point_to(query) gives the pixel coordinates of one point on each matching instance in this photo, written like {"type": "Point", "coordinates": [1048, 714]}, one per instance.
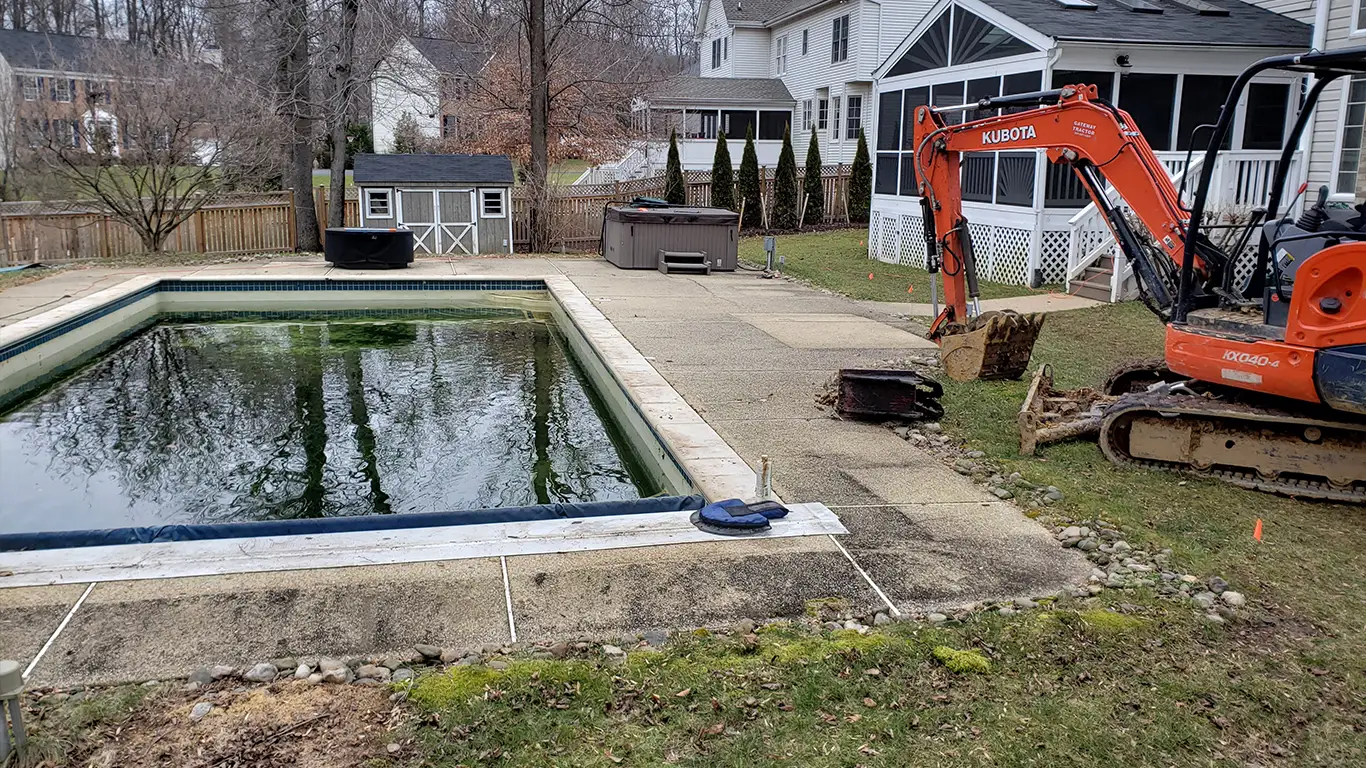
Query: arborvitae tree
{"type": "Point", "coordinates": [406, 135]}
{"type": "Point", "coordinates": [860, 182]}
{"type": "Point", "coordinates": [722, 176]}
{"type": "Point", "coordinates": [785, 200]}
{"type": "Point", "coordinates": [815, 192]}
{"type": "Point", "coordinates": [748, 187]}
{"type": "Point", "coordinates": [675, 191]}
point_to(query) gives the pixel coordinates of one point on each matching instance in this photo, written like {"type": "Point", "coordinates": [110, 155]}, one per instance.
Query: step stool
{"type": "Point", "coordinates": [685, 261]}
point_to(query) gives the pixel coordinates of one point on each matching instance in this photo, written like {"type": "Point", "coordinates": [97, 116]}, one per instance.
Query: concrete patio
{"type": "Point", "coordinates": [749, 355]}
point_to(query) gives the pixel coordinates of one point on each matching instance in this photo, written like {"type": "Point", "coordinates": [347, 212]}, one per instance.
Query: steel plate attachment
{"type": "Point", "coordinates": [869, 393]}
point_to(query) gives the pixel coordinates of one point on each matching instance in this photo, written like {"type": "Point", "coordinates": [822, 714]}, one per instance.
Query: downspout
{"type": "Point", "coordinates": [1320, 41]}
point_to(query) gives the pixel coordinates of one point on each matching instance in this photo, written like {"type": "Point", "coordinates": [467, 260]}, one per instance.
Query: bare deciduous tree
{"type": "Point", "coordinates": [151, 144]}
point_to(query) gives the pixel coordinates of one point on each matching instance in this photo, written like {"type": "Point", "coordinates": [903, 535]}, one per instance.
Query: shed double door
{"type": "Point", "coordinates": [442, 220]}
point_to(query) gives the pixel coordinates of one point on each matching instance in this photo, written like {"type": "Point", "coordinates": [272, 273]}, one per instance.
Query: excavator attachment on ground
{"type": "Point", "coordinates": [992, 345]}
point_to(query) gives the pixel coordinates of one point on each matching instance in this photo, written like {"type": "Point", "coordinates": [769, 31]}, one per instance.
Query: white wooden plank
{"type": "Point", "coordinates": [170, 560]}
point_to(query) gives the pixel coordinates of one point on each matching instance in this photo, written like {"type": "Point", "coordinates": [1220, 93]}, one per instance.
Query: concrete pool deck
{"type": "Point", "coordinates": [749, 355]}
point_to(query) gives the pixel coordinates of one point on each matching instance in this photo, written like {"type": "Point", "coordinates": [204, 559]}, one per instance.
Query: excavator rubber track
{"type": "Point", "coordinates": [1303, 455]}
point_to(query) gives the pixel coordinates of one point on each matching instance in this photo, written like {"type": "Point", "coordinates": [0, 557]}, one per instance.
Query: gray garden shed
{"type": "Point", "coordinates": [452, 203]}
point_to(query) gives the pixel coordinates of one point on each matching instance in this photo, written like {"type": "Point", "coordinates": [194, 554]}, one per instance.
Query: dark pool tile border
{"type": "Point", "coordinates": [182, 285]}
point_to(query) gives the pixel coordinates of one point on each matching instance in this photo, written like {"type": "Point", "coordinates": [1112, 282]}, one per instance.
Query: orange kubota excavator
{"type": "Point", "coordinates": [1264, 383]}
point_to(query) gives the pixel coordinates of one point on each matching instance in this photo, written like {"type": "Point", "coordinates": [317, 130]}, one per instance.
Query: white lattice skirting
{"type": "Point", "coordinates": [1002, 252]}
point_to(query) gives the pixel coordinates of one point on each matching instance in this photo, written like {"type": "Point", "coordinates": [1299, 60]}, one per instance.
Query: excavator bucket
{"type": "Point", "coordinates": [993, 345]}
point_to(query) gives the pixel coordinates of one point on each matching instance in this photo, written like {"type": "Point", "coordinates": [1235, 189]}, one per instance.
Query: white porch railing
{"type": "Point", "coordinates": [1241, 179]}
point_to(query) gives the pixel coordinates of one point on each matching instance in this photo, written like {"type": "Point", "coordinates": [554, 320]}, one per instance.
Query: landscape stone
{"type": "Point", "coordinates": [614, 654]}
{"type": "Point", "coordinates": [220, 671]}
{"type": "Point", "coordinates": [373, 672]}
{"type": "Point", "coordinates": [1233, 599]}
{"type": "Point", "coordinates": [302, 672]}
{"type": "Point", "coordinates": [450, 655]}
{"type": "Point", "coordinates": [401, 675]}
{"type": "Point", "coordinates": [200, 711]}
{"type": "Point", "coordinates": [559, 650]}
{"type": "Point", "coordinates": [881, 619]}
{"type": "Point", "coordinates": [1217, 585]}
{"type": "Point", "coordinates": [1203, 600]}
{"type": "Point", "coordinates": [498, 664]}
{"type": "Point", "coordinates": [202, 676]}
{"type": "Point", "coordinates": [262, 673]}
{"type": "Point", "coordinates": [936, 618]}
{"type": "Point", "coordinates": [428, 651]}
{"type": "Point", "coordinates": [285, 662]}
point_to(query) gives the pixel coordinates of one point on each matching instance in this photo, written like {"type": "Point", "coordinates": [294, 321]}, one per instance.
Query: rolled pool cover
{"type": "Point", "coordinates": [24, 542]}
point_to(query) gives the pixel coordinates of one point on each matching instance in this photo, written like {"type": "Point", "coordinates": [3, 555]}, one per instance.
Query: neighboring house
{"type": "Point", "coordinates": [820, 53]}
{"type": "Point", "coordinates": [428, 79]}
{"type": "Point", "coordinates": [452, 203]}
{"type": "Point", "coordinates": [1333, 142]}
{"type": "Point", "coordinates": [1169, 63]}
{"type": "Point", "coordinates": [43, 74]}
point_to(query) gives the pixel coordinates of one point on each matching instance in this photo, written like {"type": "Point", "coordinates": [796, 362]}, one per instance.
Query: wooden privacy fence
{"type": "Point", "coordinates": [264, 223]}
{"type": "Point", "coordinates": [256, 223]}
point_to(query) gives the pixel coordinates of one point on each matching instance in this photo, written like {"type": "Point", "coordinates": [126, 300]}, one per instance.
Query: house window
{"type": "Point", "coordinates": [725, 47]}
{"type": "Point", "coordinates": [377, 205]}
{"type": "Point", "coordinates": [854, 117]}
{"type": "Point", "coordinates": [1150, 99]}
{"type": "Point", "coordinates": [97, 92]}
{"type": "Point", "coordinates": [716, 53]}
{"type": "Point", "coordinates": [839, 41]}
{"type": "Point", "coordinates": [806, 38]}
{"type": "Point", "coordinates": [30, 88]}
{"type": "Point", "coordinates": [1264, 124]}
{"type": "Point", "coordinates": [1349, 146]}
{"type": "Point", "coordinates": [491, 203]}
{"type": "Point", "coordinates": [773, 124]}
{"type": "Point", "coordinates": [822, 113]}
{"type": "Point", "coordinates": [62, 88]}
{"type": "Point", "coordinates": [65, 133]}
{"type": "Point", "coordinates": [835, 117]}
{"type": "Point", "coordinates": [1202, 98]}
{"type": "Point", "coordinates": [968, 39]}
{"type": "Point", "coordinates": [781, 45]}
{"type": "Point", "coordinates": [806, 115]}
{"type": "Point", "coordinates": [1359, 17]}
{"type": "Point", "coordinates": [449, 125]}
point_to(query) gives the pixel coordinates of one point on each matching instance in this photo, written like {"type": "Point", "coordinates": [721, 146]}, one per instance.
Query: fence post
{"type": "Point", "coordinates": [201, 238]}
{"type": "Point", "coordinates": [293, 233]}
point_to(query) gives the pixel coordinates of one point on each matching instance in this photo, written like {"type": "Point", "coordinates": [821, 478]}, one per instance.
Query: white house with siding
{"type": "Point", "coordinates": [1169, 63]}
{"type": "Point", "coordinates": [1333, 144]}
{"type": "Point", "coordinates": [821, 53]}
{"type": "Point", "coordinates": [424, 78]}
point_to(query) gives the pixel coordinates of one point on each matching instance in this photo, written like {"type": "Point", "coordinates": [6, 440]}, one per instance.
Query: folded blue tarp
{"type": "Point", "coordinates": [21, 542]}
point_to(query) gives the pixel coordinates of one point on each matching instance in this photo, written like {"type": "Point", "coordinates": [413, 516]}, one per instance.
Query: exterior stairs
{"type": "Point", "coordinates": [1094, 283]}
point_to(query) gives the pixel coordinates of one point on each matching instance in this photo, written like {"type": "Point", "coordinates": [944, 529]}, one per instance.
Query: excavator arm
{"type": "Point", "coordinates": [1074, 127]}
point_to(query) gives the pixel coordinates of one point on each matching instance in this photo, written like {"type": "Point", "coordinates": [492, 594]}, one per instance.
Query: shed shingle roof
{"type": "Point", "coordinates": [40, 50]}
{"type": "Point", "coordinates": [685, 89]}
{"type": "Point", "coordinates": [433, 169]}
{"type": "Point", "coordinates": [1245, 24]}
{"type": "Point", "coordinates": [450, 57]}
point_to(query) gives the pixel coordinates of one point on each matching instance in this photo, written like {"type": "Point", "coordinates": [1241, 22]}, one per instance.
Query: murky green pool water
{"type": "Point", "coordinates": [229, 422]}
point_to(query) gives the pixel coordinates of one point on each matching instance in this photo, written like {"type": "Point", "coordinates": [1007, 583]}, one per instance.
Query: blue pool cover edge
{"type": "Point", "coordinates": [24, 542]}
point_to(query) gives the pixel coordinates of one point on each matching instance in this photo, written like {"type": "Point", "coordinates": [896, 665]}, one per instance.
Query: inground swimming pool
{"type": "Point", "coordinates": [253, 419]}
{"type": "Point", "coordinates": [173, 409]}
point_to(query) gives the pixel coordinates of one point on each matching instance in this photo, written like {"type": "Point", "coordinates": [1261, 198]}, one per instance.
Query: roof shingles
{"type": "Point", "coordinates": [59, 53]}
{"type": "Point", "coordinates": [1245, 24]}
{"type": "Point", "coordinates": [685, 89]}
{"type": "Point", "coordinates": [433, 169]}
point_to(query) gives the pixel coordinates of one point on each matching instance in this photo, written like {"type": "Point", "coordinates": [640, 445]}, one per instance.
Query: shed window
{"type": "Point", "coordinates": [377, 204]}
{"type": "Point", "coordinates": [491, 203]}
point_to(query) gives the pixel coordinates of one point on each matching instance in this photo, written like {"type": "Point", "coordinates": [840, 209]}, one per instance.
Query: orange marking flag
{"type": "Point", "coordinates": [1257, 530]}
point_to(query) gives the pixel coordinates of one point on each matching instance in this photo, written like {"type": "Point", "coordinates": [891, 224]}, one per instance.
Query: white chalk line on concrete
{"type": "Point", "coordinates": [507, 596]}
{"type": "Point", "coordinates": [866, 577]}
{"type": "Point", "coordinates": [69, 614]}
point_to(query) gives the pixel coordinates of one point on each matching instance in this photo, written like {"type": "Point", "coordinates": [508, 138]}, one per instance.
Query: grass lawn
{"type": "Point", "coordinates": [838, 261]}
{"type": "Point", "coordinates": [1123, 679]}
{"type": "Point", "coordinates": [322, 177]}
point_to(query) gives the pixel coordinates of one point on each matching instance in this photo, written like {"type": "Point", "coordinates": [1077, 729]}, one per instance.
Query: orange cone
{"type": "Point", "coordinates": [1257, 530]}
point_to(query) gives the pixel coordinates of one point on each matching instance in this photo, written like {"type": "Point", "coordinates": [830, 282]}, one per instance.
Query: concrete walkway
{"type": "Point", "coordinates": [750, 356]}
{"type": "Point", "coordinates": [1038, 302]}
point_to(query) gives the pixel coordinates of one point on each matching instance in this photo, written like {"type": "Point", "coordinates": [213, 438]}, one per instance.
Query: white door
{"type": "Point", "coordinates": [417, 211]}
{"type": "Point", "coordinates": [457, 222]}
